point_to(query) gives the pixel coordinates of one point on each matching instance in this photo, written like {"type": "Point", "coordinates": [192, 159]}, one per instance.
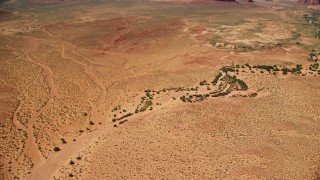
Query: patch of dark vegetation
{"type": "Point", "coordinates": [221, 94]}
{"type": "Point", "coordinates": [314, 67]}
{"type": "Point", "coordinates": [56, 149]}
{"type": "Point", "coordinates": [116, 108]}
{"type": "Point", "coordinates": [295, 70]}
{"type": "Point", "coordinates": [235, 83]}
{"type": "Point", "coordinates": [314, 20]}
{"type": "Point", "coordinates": [203, 83]}
{"type": "Point", "coordinates": [126, 115]}
{"type": "Point", "coordinates": [228, 82]}
{"type": "Point", "coordinates": [241, 95]}
{"type": "Point", "coordinates": [216, 79]}
{"type": "Point", "coordinates": [265, 67]}
{"type": "Point", "coordinates": [63, 141]}
{"type": "Point", "coordinates": [243, 85]}
{"type": "Point", "coordinates": [123, 121]}
{"type": "Point", "coordinates": [183, 98]}
{"type": "Point", "coordinates": [227, 69]}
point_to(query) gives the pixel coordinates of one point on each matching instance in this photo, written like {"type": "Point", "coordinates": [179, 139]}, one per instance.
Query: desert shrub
{"type": "Point", "coordinates": [149, 95]}
{"type": "Point", "coordinates": [202, 83]}
{"type": "Point", "coordinates": [265, 67]}
{"type": "Point", "coordinates": [63, 141]}
{"type": "Point", "coordinates": [79, 158]}
{"type": "Point", "coordinates": [314, 66]}
{"type": "Point", "coordinates": [91, 123]}
{"type": "Point", "coordinates": [284, 71]}
{"type": "Point", "coordinates": [221, 94]}
{"type": "Point", "coordinates": [230, 79]}
{"type": "Point", "coordinates": [183, 98]}
{"type": "Point", "coordinates": [56, 149]}
{"type": "Point", "coordinates": [227, 69]}
{"type": "Point", "coordinates": [313, 57]}
{"type": "Point", "coordinates": [71, 162]}
{"type": "Point", "coordinates": [121, 122]}
{"type": "Point", "coordinates": [242, 84]}
{"type": "Point", "coordinates": [126, 115]}
{"type": "Point", "coordinates": [115, 125]}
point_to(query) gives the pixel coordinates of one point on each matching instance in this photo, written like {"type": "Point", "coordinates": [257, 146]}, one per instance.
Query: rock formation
{"type": "Point", "coordinates": [309, 1]}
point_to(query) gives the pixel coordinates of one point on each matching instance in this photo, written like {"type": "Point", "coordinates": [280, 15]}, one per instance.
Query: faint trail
{"type": "Point", "coordinates": [31, 147]}
{"type": "Point", "coordinates": [51, 166]}
{"type": "Point", "coordinates": [15, 120]}
{"type": "Point", "coordinates": [96, 111]}
{"type": "Point", "coordinates": [47, 32]}
{"type": "Point", "coordinates": [46, 168]}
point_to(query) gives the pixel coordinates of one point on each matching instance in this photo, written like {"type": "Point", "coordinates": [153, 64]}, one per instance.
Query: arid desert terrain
{"type": "Point", "coordinates": [159, 89]}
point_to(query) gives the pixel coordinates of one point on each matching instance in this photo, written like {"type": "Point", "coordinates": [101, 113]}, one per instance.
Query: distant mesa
{"type": "Point", "coordinates": [53, 1]}
{"type": "Point", "coordinates": [203, 1]}
{"type": "Point", "coordinates": [313, 2]}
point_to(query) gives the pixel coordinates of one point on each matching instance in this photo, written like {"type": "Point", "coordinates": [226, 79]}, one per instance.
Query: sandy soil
{"type": "Point", "coordinates": [124, 90]}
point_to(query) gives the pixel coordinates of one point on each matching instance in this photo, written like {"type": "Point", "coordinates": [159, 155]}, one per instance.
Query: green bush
{"type": "Point", "coordinates": [265, 67]}
{"type": "Point", "coordinates": [121, 122]}
{"type": "Point", "coordinates": [243, 85]}
{"type": "Point", "coordinates": [183, 98]}
{"type": "Point", "coordinates": [227, 69]}
{"type": "Point", "coordinates": [56, 149]}
{"type": "Point", "coordinates": [126, 115]}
